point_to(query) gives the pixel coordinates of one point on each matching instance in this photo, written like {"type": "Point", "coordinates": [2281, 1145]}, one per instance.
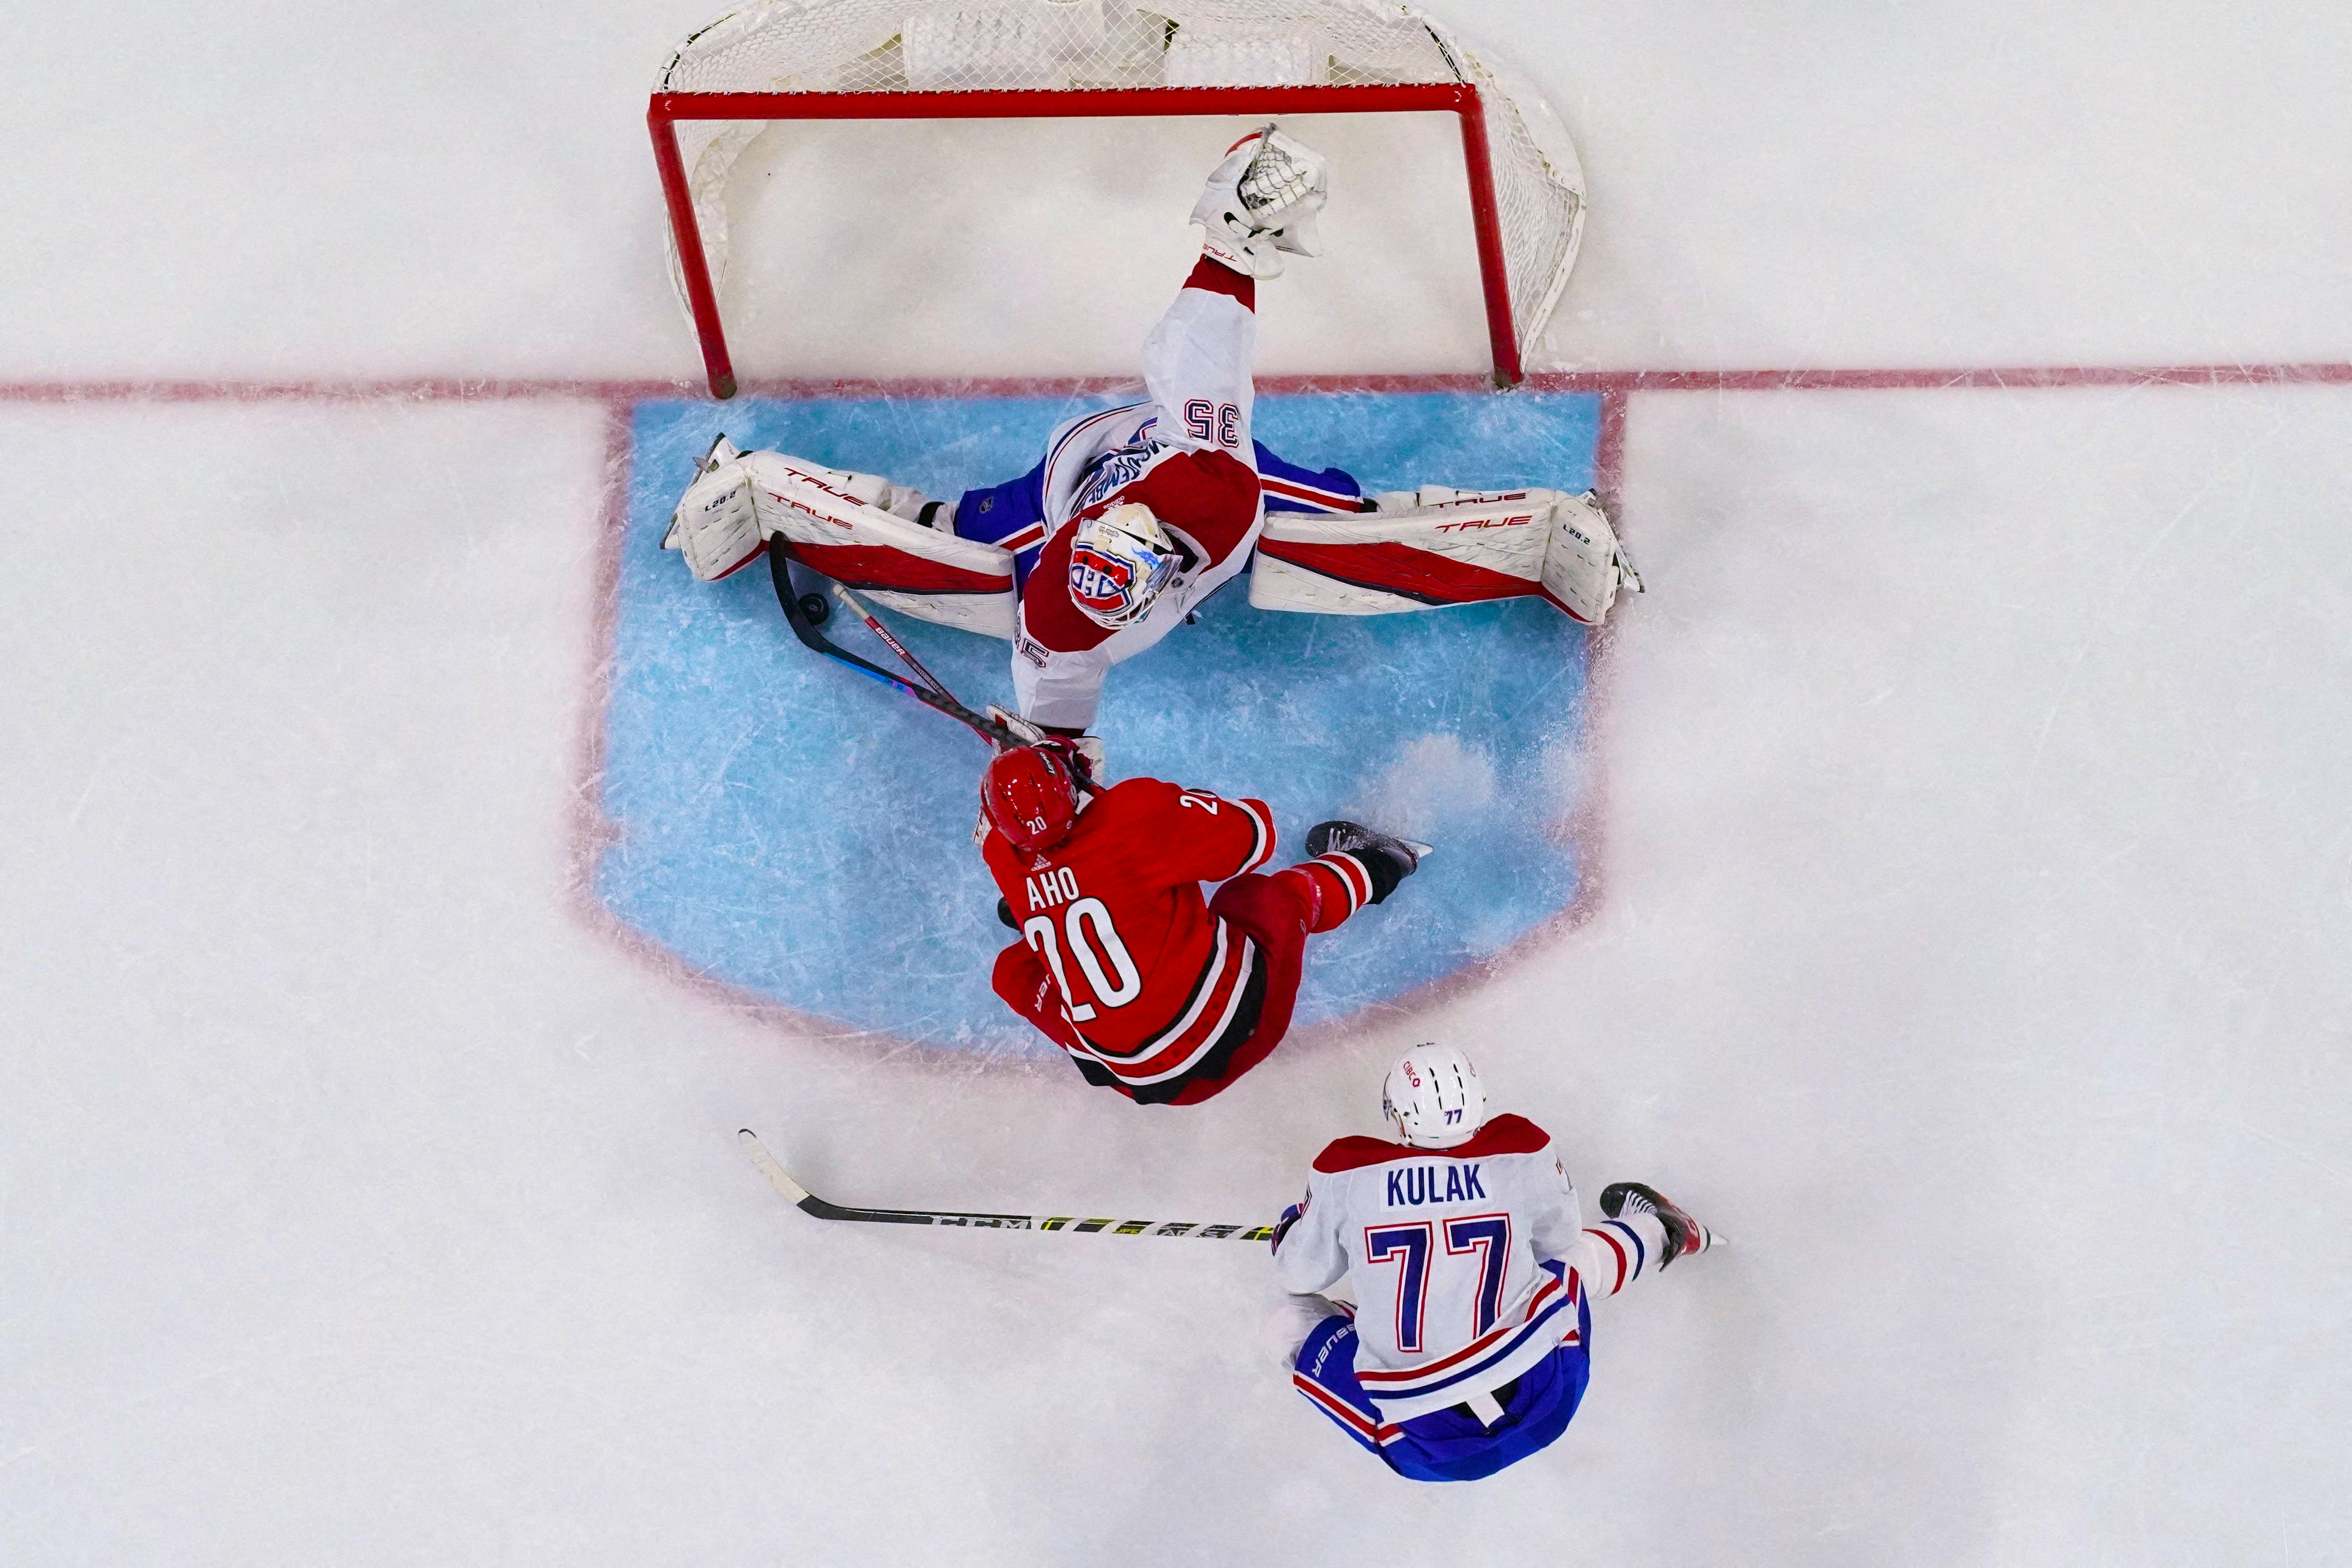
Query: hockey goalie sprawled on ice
{"type": "Point", "coordinates": [1136, 514]}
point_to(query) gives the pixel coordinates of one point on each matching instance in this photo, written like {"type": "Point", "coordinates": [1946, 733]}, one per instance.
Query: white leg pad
{"type": "Point", "coordinates": [716, 525]}
{"type": "Point", "coordinates": [1585, 565]}
{"type": "Point", "coordinates": [834, 522]}
{"type": "Point", "coordinates": [1439, 545]}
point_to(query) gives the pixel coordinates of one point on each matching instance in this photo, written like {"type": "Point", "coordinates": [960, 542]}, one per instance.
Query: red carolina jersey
{"type": "Point", "coordinates": [1148, 979]}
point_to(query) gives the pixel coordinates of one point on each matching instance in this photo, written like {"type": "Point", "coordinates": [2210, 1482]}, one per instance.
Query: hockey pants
{"type": "Point", "coordinates": [1452, 1444]}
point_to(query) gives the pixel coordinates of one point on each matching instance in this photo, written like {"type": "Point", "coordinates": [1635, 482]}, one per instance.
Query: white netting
{"type": "Point", "coordinates": [934, 46]}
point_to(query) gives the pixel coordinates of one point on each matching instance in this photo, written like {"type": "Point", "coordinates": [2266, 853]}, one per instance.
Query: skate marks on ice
{"type": "Point", "coordinates": [803, 836]}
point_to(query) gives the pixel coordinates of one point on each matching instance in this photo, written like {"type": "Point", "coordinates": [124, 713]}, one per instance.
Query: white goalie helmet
{"type": "Point", "coordinates": [1434, 1097]}
{"type": "Point", "coordinates": [1120, 563]}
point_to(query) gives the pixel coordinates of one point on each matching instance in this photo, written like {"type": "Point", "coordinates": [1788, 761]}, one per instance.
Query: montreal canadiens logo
{"type": "Point", "coordinates": [1099, 582]}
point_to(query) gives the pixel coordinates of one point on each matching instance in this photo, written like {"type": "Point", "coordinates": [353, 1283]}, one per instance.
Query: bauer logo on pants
{"type": "Point", "coordinates": [803, 836]}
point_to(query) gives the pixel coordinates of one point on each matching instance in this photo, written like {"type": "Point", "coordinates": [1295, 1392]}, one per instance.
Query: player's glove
{"type": "Point", "coordinates": [1083, 752]}
{"type": "Point", "coordinates": [1004, 915]}
{"type": "Point", "coordinates": [1282, 1226]}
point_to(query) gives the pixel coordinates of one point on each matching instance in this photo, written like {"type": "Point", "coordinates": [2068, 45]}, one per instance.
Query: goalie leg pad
{"type": "Point", "coordinates": [819, 517]}
{"type": "Point", "coordinates": [716, 525]}
{"type": "Point", "coordinates": [1584, 566]}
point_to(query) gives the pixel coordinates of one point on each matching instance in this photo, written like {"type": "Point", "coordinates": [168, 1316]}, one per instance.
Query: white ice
{"type": "Point", "coordinates": [1978, 887]}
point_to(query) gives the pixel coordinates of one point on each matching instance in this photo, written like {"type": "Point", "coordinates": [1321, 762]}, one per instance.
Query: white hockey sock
{"type": "Point", "coordinates": [1616, 1252]}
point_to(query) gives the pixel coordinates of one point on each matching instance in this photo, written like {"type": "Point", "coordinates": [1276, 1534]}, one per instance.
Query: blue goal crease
{"type": "Point", "coordinates": [792, 830]}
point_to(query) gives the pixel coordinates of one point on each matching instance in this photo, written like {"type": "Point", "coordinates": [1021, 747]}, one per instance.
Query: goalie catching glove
{"type": "Point", "coordinates": [1263, 201]}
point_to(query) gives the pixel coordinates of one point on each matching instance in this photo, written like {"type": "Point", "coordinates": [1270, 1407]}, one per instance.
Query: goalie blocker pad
{"type": "Point", "coordinates": [810, 512]}
{"type": "Point", "coordinates": [1441, 551]}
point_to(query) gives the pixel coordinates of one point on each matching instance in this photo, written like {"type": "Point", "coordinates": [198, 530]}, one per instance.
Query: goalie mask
{"type": "Point", "coordinates": [1030, 796]}
{"type": "Point", "coordinates": [1120, 563]}
{"type": "Point", "coordinates": [1433, 1096]}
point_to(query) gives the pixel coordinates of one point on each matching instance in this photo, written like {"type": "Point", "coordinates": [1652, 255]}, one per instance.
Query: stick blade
{"type": "Point", "coordinates": [765, 1163]}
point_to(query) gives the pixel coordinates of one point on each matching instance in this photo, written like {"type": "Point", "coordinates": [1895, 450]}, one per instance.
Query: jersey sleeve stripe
{"type": "Point", "coordinates": [1264, 850]}
{"type": "Point", "coordinates": [1291, 490]}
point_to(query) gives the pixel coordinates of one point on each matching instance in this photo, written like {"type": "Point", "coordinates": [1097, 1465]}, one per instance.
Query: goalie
{"type": "Point", "coordinates": [1136, 514]}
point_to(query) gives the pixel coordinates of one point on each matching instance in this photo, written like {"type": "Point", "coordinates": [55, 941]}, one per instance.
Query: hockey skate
{"type": "Point", "coordinates": [1400, 857]}
{"type": "Point", "coordinates": [1684, 1234]}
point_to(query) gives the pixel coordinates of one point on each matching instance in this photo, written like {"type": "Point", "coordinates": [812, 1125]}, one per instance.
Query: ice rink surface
{"type": "Point", "coordinates": [1975, 882]}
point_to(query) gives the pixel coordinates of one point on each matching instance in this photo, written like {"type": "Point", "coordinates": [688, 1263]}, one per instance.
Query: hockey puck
{"type": "Point", "coordinates": [815, 608]}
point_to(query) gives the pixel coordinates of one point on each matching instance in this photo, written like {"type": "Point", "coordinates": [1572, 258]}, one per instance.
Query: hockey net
{"type": "Point", "coordinates": [786, 59]}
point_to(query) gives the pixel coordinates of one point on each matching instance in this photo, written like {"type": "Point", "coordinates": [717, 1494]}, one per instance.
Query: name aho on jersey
{"type": "Point", "coordinates": [1052, 887]}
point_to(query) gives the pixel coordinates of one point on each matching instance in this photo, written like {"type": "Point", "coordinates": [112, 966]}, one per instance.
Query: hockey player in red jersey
{"type": "Point", "coordinates": [1474, 1272]}
{"type": "Point", "coordinates": [1153, 990]}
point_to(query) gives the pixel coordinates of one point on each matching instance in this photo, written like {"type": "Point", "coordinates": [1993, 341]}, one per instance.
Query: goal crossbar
{"type": "Point", "coordinates": [1460, 99]}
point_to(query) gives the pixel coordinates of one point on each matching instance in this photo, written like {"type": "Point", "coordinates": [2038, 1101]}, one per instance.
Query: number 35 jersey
{"type": "Point", "coordinates": [1445, 1250]}
{"type": "Point", "coordinates": [1148, 978]}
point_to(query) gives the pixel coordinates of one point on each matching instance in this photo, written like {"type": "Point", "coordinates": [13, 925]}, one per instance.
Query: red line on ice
{"type": "Point", "coordinates": [591, 831]}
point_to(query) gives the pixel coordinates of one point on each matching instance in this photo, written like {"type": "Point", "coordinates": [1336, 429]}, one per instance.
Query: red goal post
{"type": "Point", "coordinates": [1526, 201]}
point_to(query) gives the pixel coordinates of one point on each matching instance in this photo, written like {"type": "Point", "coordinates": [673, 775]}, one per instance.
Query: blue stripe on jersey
{"type": "Point", "coordinates": [1337, 481]}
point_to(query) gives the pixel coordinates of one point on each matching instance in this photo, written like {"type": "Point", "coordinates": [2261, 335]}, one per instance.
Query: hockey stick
{"type": "Point", "coordinates": [804, 628]}
{"type": "Point", "coordinates": [856, 607]}
{"type": "Point", "coordinates": [809, 1203]}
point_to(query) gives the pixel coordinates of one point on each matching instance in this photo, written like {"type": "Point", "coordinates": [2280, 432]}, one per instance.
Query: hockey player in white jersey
{"type": "Point", "coordinates": [1467, 1253]}
{"type": "Point", "coordinates": [1138, 513]}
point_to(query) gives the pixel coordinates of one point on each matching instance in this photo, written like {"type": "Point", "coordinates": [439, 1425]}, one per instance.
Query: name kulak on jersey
{"type": "Point", "coordinates": [1418, 1185]}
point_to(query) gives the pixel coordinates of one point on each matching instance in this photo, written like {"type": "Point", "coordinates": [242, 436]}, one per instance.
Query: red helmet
{"type": "Point", "coordinates": [1030, 796]}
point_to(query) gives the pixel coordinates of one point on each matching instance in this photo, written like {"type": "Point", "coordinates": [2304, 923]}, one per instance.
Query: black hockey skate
{"type": "Point", "coordinates": [1389, 860]}
{"type": "Point", "coordinates": [1684, 1234]}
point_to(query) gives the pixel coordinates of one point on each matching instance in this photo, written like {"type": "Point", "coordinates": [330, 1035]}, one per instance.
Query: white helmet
{"type": "Point", "coordinates": [1120, 563]}
{"type": "Point", "coordinates": [1434, 1097]}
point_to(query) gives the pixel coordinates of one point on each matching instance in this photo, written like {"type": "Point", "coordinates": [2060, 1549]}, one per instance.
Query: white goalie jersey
{"type": "Point", "coordinates": [1446, 1252]}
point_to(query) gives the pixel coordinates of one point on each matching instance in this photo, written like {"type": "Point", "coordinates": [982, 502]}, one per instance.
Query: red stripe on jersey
{"type": "Point", "coordinates": [1483, 1342]}
{"type": "Point", "coordinates": [1505, 1134]}
{"type": "Point", "coordinates": [1219, 278]}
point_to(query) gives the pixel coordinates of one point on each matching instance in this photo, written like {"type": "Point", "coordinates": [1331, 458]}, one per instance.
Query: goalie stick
{"type": "Point", "coordinates": [809, 1203]}
{"type": "Point", "coordinates": [804, 627]}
